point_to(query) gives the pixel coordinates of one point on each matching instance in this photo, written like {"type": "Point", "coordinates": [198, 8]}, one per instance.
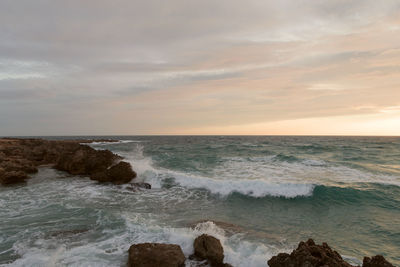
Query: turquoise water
{"type": "Point", "coordinates": [268, 192]}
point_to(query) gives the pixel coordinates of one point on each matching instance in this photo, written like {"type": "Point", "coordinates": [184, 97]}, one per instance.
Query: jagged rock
{"type": "Point", "coordinates": [308, 254]}
{"type": "Point", "coordinates": [120, 173]}
{"type": "Point", "coordinates": [209, 248]}
{"type": "Point", "coordinates": [156, 255]}
{"type": "Point", "coordinates": [85, 160]}
{"type": "Point", "coordinates": [19, 157]}
{"type": "Point", "coordinates": [376, 261]}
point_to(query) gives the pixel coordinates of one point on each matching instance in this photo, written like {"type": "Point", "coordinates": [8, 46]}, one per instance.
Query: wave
{"type": "Point", "coordinates": [253, 188]}
{"type": "Point", "coordinates": [254, 177]}
{"type": "Point", "coordinates": [114, 142]}
{"type": "Point", "coordinates": [366, 194]}
{"type": "Point", "coordinates": [238, 252]}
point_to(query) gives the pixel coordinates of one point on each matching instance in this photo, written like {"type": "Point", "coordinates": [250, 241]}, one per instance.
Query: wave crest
{"type": "Point", "coordinates": [253, 188]}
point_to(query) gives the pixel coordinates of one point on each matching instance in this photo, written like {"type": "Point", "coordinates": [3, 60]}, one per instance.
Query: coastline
{"type": "Point", "coordinates": [24, 155]}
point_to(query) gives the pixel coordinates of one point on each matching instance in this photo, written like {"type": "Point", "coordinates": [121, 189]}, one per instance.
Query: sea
{"type": "Point", "coordinates": [259, 195]}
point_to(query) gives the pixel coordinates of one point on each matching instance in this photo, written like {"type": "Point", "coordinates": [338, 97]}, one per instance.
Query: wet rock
{"type": "Point", "coordinates": [12, 177]}
{"type": "Point", "coordinates": [68, 233]}
{"type": "Point", "coordinates": [120, 173]}
{"type": "Point", "coordinates": [209, 248]}
{"type": "Point", "coordinates": [138, 186]}
{"type": "Point", "coordinates": [85, 160]}
{"type": "Point", "coordinates": [20, 157]}
{"type": "Point", "coordinates": [376, 261]}
{"type": "Point", "coordinates": [308, 254]}
{"type": "Point", "coordinates": [142, 185]}
{"type": "Point", "coordinates": [156, 255]}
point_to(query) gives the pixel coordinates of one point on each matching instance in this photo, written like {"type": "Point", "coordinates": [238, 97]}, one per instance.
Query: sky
{"type": "Point", "coordinates": [299, 67]}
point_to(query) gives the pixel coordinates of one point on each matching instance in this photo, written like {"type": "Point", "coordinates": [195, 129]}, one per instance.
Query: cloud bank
{"type": "Point", "coordinates": [199, 67]}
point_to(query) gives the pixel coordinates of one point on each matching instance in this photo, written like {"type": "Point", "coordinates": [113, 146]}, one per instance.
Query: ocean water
{"type": "Point", "coordinates": [258, 195]}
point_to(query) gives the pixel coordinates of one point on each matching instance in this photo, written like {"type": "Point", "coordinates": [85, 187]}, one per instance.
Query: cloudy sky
{"type": "Point", "coordinates": [200, 67]}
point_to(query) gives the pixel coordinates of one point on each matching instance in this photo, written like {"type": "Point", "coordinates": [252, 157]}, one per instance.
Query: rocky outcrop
{"type": "Point", "coordinates": [376, 261]}
{"type": "Point", "coordinates": [21, 157]}
{"type": "Point", "coordinates": [12, 177]}
{"type": "Point", "coordinates": [120, 173]}
{"type": "Point", "coordinates": [85, 160]}
{"type": "Point", "coordinates": [156, 255]}
{"type": "Point", "coordinates": [308, 254]}
{"type": "Point", "coordinates": [209, 248]}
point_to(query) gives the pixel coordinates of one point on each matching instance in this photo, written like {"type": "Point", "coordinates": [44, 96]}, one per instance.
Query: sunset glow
{"type": "Point", "coordinates": [209, 67]}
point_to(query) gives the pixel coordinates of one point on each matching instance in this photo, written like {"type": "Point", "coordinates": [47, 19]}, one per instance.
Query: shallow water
{"type": "Point", "coordinates": [270, 192]}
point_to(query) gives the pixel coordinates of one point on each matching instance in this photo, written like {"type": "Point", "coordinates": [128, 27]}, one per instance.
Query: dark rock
{"type": "Point", "coordinates": [142, 185]}
{"type": "Point", "coordinates": [376, 261]}
{"type": "Point", "coordinates": [67, 233]}
{"type": "Point", "coordinates": [19, 165]}
{"type": "Point", "coordinates": [85, 160]}
{"type": "Point", "coordinates": [308, 254]}
{"type": "Point", "coordinates": [19, 157]}
{"type": "Point", "coordinates": [209, 248]}
{"type": "Point", "coordinates": [12, 177]}
{"type": "Point", "coordinates": [156, 255]}
{"type": "Point", "coordinates": [120, 173]}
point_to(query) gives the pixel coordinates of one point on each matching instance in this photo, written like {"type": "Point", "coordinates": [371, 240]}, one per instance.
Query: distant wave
{"type": "Point", "coordinates": [245, 176]}
{"type": "Point", "coordinates": [253, 188]}
{"type": "Point", "coordinates": [115, 142]}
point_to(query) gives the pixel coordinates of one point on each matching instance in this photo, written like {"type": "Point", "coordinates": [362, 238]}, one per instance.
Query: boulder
{"type": "Point", "coordinates": [209, 248]}
{"type": "Point", "coordinates": [120, 173]}
{"type": "Point", "coordinates": [376, 261]}
{"type": "Point", "coordinates": [308, 254]}
{"type": "Point", "coordinates": [156, 255]}
{"type": "Point", "coordinates": [85, 160]}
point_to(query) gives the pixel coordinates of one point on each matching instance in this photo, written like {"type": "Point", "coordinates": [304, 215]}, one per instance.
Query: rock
{"type": "Point", "coordinates": [308, 254]}
{"type": "Point", "coordinates": [12, 177]}
{"type": "Point", "coordinates": [209, 248]}
{"type": "Point", "coordinates": [19, 165]}
{"type": "Point", "coordinates": [20, 157]}
{"type": "Point", "coordinates": [376, 261]}
{"type": "Point", "coordinates": [2, 157]}
{"type": "Point", "coordinates": [142, 185]}
{"type": "Point", "coordinates": [120, 173]}
{"type": "Point", "coordinates": [85, 160]}
{"type": "Point", "coordinates": [156, 255]}
{"type": "Point", "coordinates": [68, 233]}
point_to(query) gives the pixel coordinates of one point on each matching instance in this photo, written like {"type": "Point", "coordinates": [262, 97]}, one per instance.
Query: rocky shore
{"type": "Point", "coordinates": [208, 251]}
{"type": "Point", "coordinates": [21, 157]}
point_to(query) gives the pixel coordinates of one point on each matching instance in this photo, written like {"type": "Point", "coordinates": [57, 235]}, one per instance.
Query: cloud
{"type": "Point", "coordinates": [139, 67]}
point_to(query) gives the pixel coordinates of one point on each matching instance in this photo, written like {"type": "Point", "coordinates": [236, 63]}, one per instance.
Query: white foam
{"type": "Point", "coordinates": [254, 188]}
{"type": "Point", "coordinates": [237, 251]}
{"type": "Point", "coordinates": [113, 142]}
{"type": "Point", "coordinates": [255, 177]}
